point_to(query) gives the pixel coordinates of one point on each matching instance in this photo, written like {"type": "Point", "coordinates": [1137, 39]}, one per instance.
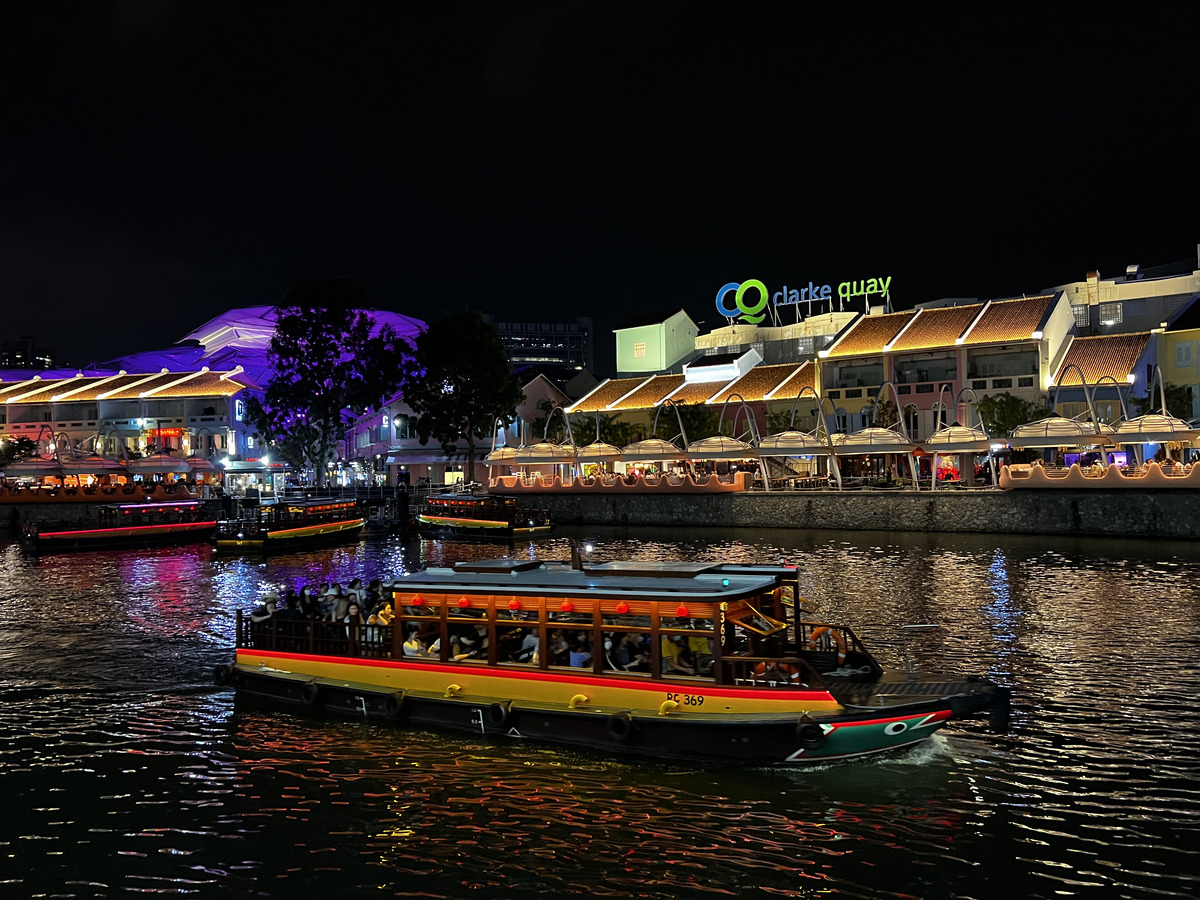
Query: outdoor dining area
{"type": "Point", "coordinates": [1062, 452]}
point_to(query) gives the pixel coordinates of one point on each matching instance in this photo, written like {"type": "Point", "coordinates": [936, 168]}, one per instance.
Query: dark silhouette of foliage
{"type": "Point", "coordinates": [1179, 402]}
{"type": "Point", "coordinates": [1001, 413]}
{"type": "Point", "coordinates": [328, 368]}
{"type": "Point", "coordinates": [16, 449]}
{"type": "Point", "coordinates": [466, 384]}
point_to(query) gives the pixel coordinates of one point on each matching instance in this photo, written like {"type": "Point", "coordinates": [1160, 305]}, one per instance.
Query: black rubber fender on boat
{"type": "Point", "coordinates": [810, 735]}
{"type": "Point", "coordinates": [497, 715]}
{"type": "Point", "coordinates": [311, 695]}
{"type": "Point", "coordinates": [621, 726]}
{"type": "Point", "coordinates": [393, 705]}
{"type": "Point", "coordinates": [222, 675]}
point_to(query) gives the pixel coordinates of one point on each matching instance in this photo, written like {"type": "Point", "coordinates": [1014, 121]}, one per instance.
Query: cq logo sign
{"type": "Point", "coordinates": [747, 313]}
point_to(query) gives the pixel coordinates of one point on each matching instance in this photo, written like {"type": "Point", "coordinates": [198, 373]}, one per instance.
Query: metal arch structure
{"type": "Point", "coordinates": [1089, 396]}
{"type": "Point", "coordinates": [821, 426]}
{"type": "Point", "coordinates": [751, 429]}
{"type": "Point", "coordinates": [958, 401]}
{"type": "Point", "coordinates": [751, 423]}
{"type": "Point", "coordinates": [566, 423]}
{"type": "Point", "coordinates": [1120, 397]}
{"type": "Point", "coordinates": [912, 460]}
{"type": "Point", "coordinates": [678, 418]}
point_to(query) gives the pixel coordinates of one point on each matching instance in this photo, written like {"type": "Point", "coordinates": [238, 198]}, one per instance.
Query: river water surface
{"type": "Point", "coordinates": [123, 770]}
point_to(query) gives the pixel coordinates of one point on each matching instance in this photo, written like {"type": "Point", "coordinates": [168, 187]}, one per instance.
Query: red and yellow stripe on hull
{"type": "Point", "coordinates": [483, 685]}
{"type": "Point", "coordinates": [456, 522]}
{"type": "Point", "coordinates": [131, 532]}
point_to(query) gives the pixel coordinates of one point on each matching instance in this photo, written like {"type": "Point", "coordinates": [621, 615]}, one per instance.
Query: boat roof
{"type": "Point", "coordinates": [706, 581]}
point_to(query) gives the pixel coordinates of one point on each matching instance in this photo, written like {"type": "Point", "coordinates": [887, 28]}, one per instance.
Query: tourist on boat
{"type": "Point", "coordinates": [631, 654]}
{"type": "Point", "coordinates": [267, 609]}
{"type": "Point", "coordinates": [385, 614]}
{"type": "Point", "coordinates": [527, 652]}
{"type": "Point", "coordinates": [309, 607]}
{"type": "Point", "coordinates": [676, 658]}
{"type": "Point", "coordinates": [341, 603]}
{"type": "Point", "coordinates": [414, 646]}
{"type": "Point", "coordinates": [560, 649]}
{"type": "Point", "coordinates": [353, 620]}
{"type": "Point", "coordinates": [581, 653]}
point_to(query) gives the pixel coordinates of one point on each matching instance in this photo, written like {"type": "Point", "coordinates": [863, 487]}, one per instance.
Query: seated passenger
{"type": "Point", "coordinates": [676, 658]}
{"type": "Point", "coordinates": [414, 646]}
{"type": "Point", "coordinates": [581, 653]}
{"type": "Point", "coordinates": [631, 655]}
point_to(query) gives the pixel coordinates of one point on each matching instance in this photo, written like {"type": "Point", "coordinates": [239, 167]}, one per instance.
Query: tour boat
{"type": "Point", "coordinates": [288, 524]}
{"type": "Point", "coordinates": [485, 516]}
{"type": "Point", "coordinates": [487, 647]}
{"type": "Point", "coordinates": [125, 525]}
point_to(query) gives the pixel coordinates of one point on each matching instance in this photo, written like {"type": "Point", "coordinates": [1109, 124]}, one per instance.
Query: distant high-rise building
{"type": "Point", "coordinates": [24, 353]}
{"type": "Point", "coordinates": [562, 345]}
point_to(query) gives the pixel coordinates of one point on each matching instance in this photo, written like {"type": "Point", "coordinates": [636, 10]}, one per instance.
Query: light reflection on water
{"type": "Point", "coordinates": [124, 770]}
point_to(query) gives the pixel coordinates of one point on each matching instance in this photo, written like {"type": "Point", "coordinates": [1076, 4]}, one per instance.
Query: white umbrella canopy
{"type": "Point", "coordinates": [597, 452]}
{"type": "Point", "coordinates": [1154, 428]}
{"type": "Point", "coordinates": [46, 466]}
{"type": "Point", "coordinates": [652, 450]}
{"type": "Point", "coordinates": [957, 439]}
{"type": "Point", "coordinates": [872, 441]}
{"type": "Point", "coordinates": [720, 447]}
{"type": "Point", "coordinates": [159, 464]}
{"type": "Point", "coordinates": [200, 464]}
{"type": "Point", "coordinates": [792, 443]}
{"type": "Point", "coordinates": [544, 453]}
{"type": "Point", "coordinates": [94, 465]}
{"type": "Point", "coordinates": [501, 456]}
{"type": "Point", "coordinates": [1056, 431]}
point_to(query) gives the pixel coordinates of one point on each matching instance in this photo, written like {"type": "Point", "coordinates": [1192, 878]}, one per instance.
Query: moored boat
{"type": "Point", "coordinates": [289, 524]}
{"type": "Point", "coordinates": [480, 516]}
{"type": "Point", "coordinates": [681, 660]}
{"type": "Point", "coordinates": [119, 525]}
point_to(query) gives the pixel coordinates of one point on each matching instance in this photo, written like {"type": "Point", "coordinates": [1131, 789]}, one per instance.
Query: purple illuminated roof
{"type": "Point", "coordinates": [238, 337]}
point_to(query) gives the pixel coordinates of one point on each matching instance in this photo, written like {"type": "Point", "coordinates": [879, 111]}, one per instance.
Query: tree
{"type": "Point", "coordinates": [699, 419]}
{"type": "Point", "coordinates": [18, 448]}
{"type": "Point", "coordinates": [330, 364]}
{"type": "Point", "coordinates": [885, 413]}
{"type": "Point", "coordinates": [1001, 413]}
{"type": "Point", "coordinates": [1179, 402]}
{"type": "Point", "coordinates": [465, 385]}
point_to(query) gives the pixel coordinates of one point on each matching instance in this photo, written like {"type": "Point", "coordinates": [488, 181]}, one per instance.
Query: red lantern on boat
{"type": "Point", "coordinates": [682, 611]}
{"type": "Point", "coordinates": [514, 603]}
{"type": "Point", "coordinates": [418, 600]}
{"type": "Point", "coordinates": [622, 608]}
{"type": "Point", "coordinates": [463, 602]}
{"type": "Point", "coordinates": [566, 606]}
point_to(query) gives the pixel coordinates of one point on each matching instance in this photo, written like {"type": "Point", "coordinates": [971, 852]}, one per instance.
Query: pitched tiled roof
{"type": "Point", "coordinates": [125, 387]}
{"type": "Point", "coordinates": [609, 392]}
{"type": "Point", "coordinates": [1010, 320]}
{"type": "Point", "coordinates": [760, 381]}
{"type": "Point", "coordinates": [937, 327]}
{"type": "Point", "coordinates": [805, 376]}
{"type": "Point", "coordinates": [697, 392]}
{"type": "Point", "coordinates": [1114, 355]}
{"type": "Point", "coordinates": [870, 333]}
{"type": "Point", "coordinates": [650, 393]}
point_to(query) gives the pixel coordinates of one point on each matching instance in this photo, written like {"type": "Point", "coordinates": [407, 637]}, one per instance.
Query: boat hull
{"type": "Point", "coordinates": [124, 537]}
{"type": "Point", "coordinates": [661, 719]}
{"type": "Point", "coordinates": [477, 529]}
{"type": "Point", "coordinates": [286, 539]}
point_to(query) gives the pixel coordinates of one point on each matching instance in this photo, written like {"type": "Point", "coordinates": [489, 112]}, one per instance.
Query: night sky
{"type": "Point", "coordinates": [163, 162]}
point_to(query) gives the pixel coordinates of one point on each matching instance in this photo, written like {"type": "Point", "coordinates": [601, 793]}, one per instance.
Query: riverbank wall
{"type": "Point", "coordinates": [1168, 514]}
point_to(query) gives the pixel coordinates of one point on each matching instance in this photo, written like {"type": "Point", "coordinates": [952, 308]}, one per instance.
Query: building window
{"type": "Point", "coordinates": [1025, 382]}
{"type": "Point", "coordinates": [1183, 353]}
{"type": "Point", "coordinates": [1080, 313]}
{"type": "Point", "coordinates": [1111, 314]}
{"type": "Point", "coordinates": [639, 350]}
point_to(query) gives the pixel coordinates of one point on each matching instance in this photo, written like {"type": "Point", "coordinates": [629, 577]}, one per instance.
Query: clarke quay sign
{"type": "Point", "coordinates": [753, 312]}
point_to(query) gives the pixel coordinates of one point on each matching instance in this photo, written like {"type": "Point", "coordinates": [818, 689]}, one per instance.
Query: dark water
{"type": "Point", "coordinates": [124, 771]}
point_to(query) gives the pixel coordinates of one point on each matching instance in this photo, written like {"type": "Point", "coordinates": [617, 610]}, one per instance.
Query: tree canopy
{"type": "Point", "coordinates": [330, 364]}
{"type": "Point", "coordinates": [465, 384]}
{"type": "Point", "coordinates": [15, 449]}
{"type": "Point", "coordinates": [1179, 401]}
{"type": "Point", "coordinates": [1001, 413]}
